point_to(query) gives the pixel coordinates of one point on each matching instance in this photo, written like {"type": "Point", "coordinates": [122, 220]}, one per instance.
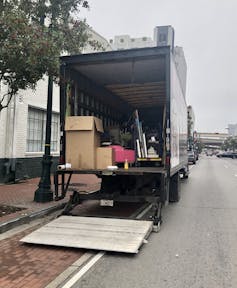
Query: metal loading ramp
{"type": "Point", "coordinates": [107, 234]}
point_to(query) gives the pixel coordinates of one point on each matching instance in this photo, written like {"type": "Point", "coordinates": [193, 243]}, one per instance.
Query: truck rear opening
{"type": "Point", "coordinates": [115, 86]}
{"type": "Point", "coordinates": [111, 87]}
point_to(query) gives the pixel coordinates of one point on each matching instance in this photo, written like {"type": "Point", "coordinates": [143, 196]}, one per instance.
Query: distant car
{"type": "Point", "coordinates": [227, 154]}
{"type": "Point", "coordinates": [221, 154]}
{"type": "Point", "coordinates": [196, 154]}
{"type": "Point", "coordinates": [191, 157]}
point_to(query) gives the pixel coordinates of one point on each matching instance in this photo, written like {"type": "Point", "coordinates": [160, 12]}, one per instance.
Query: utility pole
{"type": "Point", "coordinates": [44, 193]}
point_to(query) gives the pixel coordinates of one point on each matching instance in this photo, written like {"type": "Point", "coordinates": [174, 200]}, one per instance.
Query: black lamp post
{"type": "Point", "coordinates": [44, 193]}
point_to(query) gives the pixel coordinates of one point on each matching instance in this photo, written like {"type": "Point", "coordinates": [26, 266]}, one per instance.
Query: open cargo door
{"type": "Point", "coordinates": [107, 234]}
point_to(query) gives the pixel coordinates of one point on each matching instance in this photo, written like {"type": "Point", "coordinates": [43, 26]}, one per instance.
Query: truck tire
{"type": "Point", "coordinates": [185, 175]}
{"type": "Point", "coordinates": [174, 194]}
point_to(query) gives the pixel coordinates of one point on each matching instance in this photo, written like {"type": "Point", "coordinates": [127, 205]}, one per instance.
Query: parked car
{"type": "Point", "coordinates": [196, 155]}
{"type": "Point", "coordinates": [227, 154]}
{"type": "Point", "coordinates": [191, 157]}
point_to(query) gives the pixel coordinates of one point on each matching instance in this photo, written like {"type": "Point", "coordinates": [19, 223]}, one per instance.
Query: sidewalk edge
{"type": "Point", "coordinates": [5, 226]}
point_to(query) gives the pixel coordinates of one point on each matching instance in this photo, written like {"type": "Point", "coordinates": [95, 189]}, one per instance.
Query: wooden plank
{"type": "Point", "coordinates": [134, 85]}
{"type": "Point", "coordinates": [86, 226]}
{"type": "Point", "coordinates": [137, 90]}
{"type": "Point", "coordinates": [85, 233]}
{"type": "Point", "coordinates": [140, 95]}
{"type": "Point", "coordinates": [145, 105]}
{"type": "Point", "coordinates": [135, 93]}
{"type": "Point", "coordinates": [93, 233]}
{"type": "Point", "coordinates": [147, 101]}
{"type": "Point", "coordinates": [101, 221]}
{"type": "Point", "coordinates": [127, 245]}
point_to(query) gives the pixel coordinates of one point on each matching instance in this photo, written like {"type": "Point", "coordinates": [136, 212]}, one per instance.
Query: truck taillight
{"type": "Point", "coordinates": [167, 160]}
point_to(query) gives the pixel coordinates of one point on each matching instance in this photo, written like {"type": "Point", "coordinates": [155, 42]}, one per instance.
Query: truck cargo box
{"type": "Point", "coordinates": [136, 91]}
{"type": "Point", "coordinates": [111, 85]}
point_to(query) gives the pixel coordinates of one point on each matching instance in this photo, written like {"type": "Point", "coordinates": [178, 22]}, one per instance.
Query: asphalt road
{"type": "Point", "coordinates": [197, 244]}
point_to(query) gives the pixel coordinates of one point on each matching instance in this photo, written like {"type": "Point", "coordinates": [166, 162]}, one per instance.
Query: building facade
{"type": "Point", "coordinates": [232, 130]}
{"type": "Point", "coordinates": [191, 120]}
{"type": "Point", "coordinates": [212, 140]}
{"type": "Point", "coordinates": [126, 42]}
{"type": "Point", "coordinates": [22, 126]}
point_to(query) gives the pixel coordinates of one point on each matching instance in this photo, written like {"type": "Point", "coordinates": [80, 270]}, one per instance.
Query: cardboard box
{"type": "Point", "coordinates": [82, 140]}
{"type": "Point", "coordinates": [105, 158]}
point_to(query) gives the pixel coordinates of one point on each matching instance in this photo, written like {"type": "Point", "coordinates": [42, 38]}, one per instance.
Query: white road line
{"type": "Point", "coordinates": [76, 277]}
{"type": "Point", "coordinates": [235, 175]}
{"type": "Point", "coordinates": [66, 274]}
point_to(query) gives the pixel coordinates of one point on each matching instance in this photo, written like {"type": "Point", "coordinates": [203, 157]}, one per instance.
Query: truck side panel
{"type": "Point", "coordinates": [178, 120]}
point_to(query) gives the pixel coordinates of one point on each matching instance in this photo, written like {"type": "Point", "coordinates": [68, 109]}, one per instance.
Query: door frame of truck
{"type": "Point", "coordinates": [169, 178]}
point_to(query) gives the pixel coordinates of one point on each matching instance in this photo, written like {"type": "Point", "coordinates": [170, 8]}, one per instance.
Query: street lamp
{"type": "Point", "coordinates": [44, 193]}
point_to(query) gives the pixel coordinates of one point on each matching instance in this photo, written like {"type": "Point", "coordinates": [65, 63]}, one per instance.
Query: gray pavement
{"type": "Point", "coordinates": [197, 244]}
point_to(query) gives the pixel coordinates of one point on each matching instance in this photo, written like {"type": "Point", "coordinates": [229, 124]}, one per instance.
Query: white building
{"type": "Point", "coordinates": [232, 129]}
{"type": "Point", "coordinates": [22, 127]}
{"type": "Point", "coordinates": [212, 140]}
{"type": "Point", "coordinates": [191, 119]}
{"type": "Point", "coordinates": [105, 45]}
{"type": "Point", "coordinates": [126, 42]}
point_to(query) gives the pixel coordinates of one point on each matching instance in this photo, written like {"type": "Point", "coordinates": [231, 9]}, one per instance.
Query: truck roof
{"type": "Point", "coordinates": [137, 76]}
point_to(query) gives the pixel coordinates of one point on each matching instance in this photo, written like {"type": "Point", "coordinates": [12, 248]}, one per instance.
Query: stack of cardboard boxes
{"type": "Point", "coordinates": [83, 149]}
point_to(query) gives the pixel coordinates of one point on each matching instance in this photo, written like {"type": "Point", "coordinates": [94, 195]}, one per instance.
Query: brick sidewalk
{"type": "Point", "coordinates": [34, 266]}
{"type": "Point", "coordinates": [22, 195]}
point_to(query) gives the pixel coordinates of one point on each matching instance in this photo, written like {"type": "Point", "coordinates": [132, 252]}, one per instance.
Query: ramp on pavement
{"type": "Point", "coordinates": [107, 234]}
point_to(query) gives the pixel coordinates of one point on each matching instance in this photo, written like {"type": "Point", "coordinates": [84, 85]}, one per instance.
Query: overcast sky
{"type": "Point", "coordinates": [206, 29]}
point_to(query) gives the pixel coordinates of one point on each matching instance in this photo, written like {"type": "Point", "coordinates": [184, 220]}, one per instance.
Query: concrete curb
{"type": "Point", "coordinates": [5, 226]}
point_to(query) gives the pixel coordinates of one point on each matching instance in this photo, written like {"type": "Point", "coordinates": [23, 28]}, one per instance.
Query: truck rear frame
{"type": "Point", "coordinates": [110, 85]}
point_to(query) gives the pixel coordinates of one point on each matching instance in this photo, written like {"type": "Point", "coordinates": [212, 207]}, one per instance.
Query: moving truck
{"type": "Point", "coordinates": [131, 94]}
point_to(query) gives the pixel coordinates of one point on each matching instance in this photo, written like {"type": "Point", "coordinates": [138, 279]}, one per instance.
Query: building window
{"type": "Point", "coordinates": [162, 37]}
{"type": "Point", "coordinates": [121, 40]}
{"type": "Point", "coordinates": [55, 132]}
{"type": "Point", "coordinates": [36, 130]}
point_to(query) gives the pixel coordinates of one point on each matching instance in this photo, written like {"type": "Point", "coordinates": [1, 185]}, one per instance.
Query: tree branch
{"type": "Point", "coordinates": [3, 97]}
{"type": "Point", "coordinates": [8, 101]}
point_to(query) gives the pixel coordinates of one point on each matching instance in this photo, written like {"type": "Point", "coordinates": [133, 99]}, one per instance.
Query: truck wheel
{"type": "Point", "coordinates": [174, 194]}
{"type": "Point", "coordinates": [185, 172]}
{"type": "Point", "coordinates": [185, 175]}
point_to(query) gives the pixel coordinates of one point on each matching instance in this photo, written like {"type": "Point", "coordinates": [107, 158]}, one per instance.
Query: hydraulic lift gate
{"type": "Point", "coordinates": [118, 235]}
